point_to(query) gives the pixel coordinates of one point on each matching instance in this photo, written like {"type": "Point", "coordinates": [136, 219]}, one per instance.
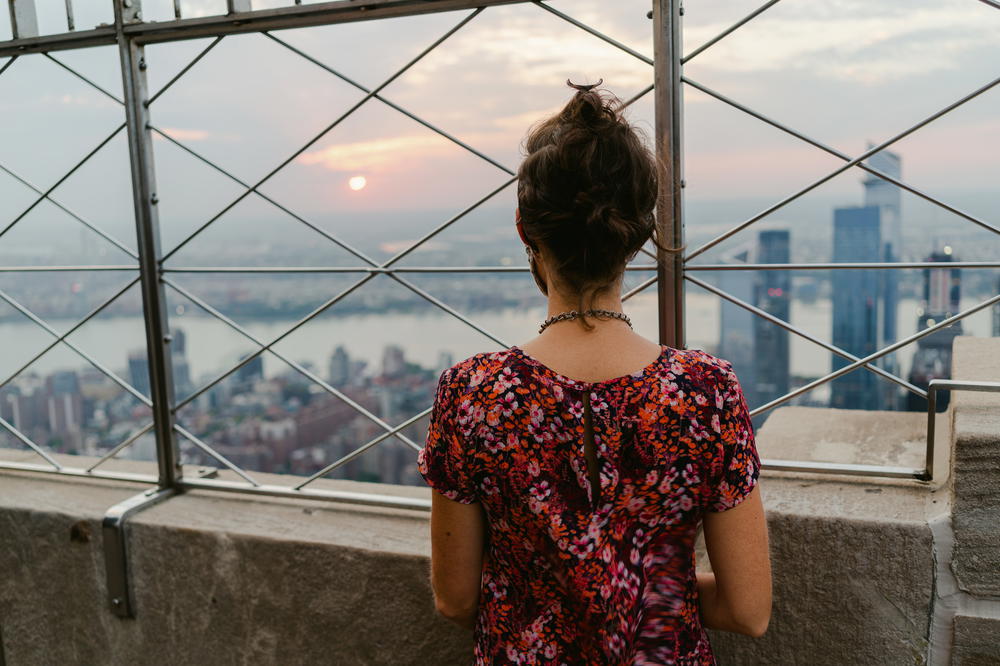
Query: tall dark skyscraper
{"type": "Point", "coordinates": [866, 302]}
{"type": "Point", "coordinates": [941, 298]}
{"type": "Point", "coordinates": [736, 326]}
{"type": "Point", "coordinates": [773, 294]}
{"type": "Point", "coordinates": [252, 371]}
{"type": "Point", "coordinates": [339, 369]}
{"type": "Point", "coordinates": [138, 370]}
{"type": "Point", "coordinates": [887, 197]}
{"type": "Point", "coordinates": [182, 370]}
{"type": "Point", "coordinates": [856, 238]}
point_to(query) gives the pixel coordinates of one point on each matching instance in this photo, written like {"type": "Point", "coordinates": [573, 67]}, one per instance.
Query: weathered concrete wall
{"type": "Point", "coordinates": [976, 469]}
{"type": "Point", "coordinates": [853, 577]}
{"type": "Point", "coordinates": [975, 518]}
{"type": "Point", "coordinates": [218, 579]}
{"type": "Point", "coordinates": [977, 641]}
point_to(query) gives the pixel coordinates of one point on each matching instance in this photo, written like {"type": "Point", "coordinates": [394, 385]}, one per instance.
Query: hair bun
{"type": "Point", "coordinates": [589, 109]}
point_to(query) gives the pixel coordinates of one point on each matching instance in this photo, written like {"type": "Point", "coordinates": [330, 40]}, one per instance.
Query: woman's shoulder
{"type": "Point", "coordinates": [700, 360]}
{"type": "Point", "coordinates": [702, 371]}
{"type": "Point", "coordinates": [476, 371]}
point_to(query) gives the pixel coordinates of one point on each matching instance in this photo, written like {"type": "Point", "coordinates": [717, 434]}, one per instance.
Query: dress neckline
{"type": "Point", "coordinates": [563, 379]}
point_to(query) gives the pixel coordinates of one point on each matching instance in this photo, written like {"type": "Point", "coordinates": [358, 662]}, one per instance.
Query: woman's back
{"type": "Point", "coordinates": [577, 571]}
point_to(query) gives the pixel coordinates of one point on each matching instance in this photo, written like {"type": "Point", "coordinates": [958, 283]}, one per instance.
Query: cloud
{"type": "Point", "coordinates": [526, 44]}
{"type": "Point", "coordinates": [185, 134]}
{"type": "Point", "coordinates": [86, 99]}
{"type": "Point", "coordinates": [375, 155]}
{"type": "Point", "coordinates": [856, 42]}
{"type": "Point", "coordinates": [396, 246]}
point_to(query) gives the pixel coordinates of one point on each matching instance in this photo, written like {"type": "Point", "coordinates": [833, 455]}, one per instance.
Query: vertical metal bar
{"type": "Point", "coordinates": [237, 6]}
{"type": "Point", "coordinates": [70, 24]}
{"type": "Point", "coordinates": [931, 414]}
{"type": "Point", "coordinates": [140, 146]}
{"type": "Point", "coordinates": [669, 135]}
{"type": "Point", "coordinates": [147, 232]}
{"type": "Point", "coordinates": [23, 19]}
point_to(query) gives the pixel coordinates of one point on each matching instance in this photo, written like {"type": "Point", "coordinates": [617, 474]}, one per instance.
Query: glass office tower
{"type": "Point", "coordinates": [773, 294]}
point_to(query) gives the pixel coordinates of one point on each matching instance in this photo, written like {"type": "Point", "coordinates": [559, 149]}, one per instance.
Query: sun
{"type": "Point", "coordinates": [357, 183]}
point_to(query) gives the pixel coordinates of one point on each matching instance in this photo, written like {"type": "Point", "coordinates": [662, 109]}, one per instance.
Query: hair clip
{"type": "Point", "coordinates": [584, 87]}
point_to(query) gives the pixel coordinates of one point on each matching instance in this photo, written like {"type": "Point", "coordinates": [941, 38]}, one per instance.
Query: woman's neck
{"type": "Point", "coordinates": [559, 303]}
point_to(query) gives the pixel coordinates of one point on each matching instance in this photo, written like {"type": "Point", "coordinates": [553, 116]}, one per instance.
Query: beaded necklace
{"type": "Point", "coordinates": [573, 314]}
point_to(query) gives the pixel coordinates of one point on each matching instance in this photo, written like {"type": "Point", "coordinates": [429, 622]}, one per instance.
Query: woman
{"type": "Point", "coordinates": [572, 472]}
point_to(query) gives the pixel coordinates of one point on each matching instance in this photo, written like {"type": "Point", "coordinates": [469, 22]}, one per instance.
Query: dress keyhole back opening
{"type": "Point", "coordinates": [590, 452]}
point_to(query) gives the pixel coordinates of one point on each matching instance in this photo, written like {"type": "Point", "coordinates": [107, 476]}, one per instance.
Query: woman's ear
{"type": "Point", "coordinates": [520, 230]}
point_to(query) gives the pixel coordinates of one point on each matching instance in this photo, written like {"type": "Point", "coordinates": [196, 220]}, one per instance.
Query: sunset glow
{"type": "Point", "coordinates": [357, 183]}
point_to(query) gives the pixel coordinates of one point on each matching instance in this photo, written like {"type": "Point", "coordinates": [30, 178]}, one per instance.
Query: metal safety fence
{"type": "Point", "coordinates": [156, 276]}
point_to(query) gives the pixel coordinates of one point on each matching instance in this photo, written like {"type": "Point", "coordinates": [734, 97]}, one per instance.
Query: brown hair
{"type": "Point", "coordinates": [586, 192]}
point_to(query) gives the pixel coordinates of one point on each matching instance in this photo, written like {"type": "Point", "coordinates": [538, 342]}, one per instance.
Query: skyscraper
{"type": "Point", "coordinates": [932, 360]}
{"type": "Point", "coordinates": [251, 371]}
{"type": "Point", "coordinates": [138, 370]}
{"type": "Point", "coordinates": [866, 302]}
{"type": "Point", "coordinates": [339, 368]}
{"type": "Point", "coordinates": [856, 238]}
{"type": "Point", "coordinates": [736, 323]}
{"type": "Point", "coordinates": [773, 294]}
{"type": "Point", "coordinates": [888, 197]}
{"type": "Point", "coordinates": [64, 406]}
{"type": "Point", "coordinates": [393, 361]}
{"type": "Point", "coordinates": [182, 370]}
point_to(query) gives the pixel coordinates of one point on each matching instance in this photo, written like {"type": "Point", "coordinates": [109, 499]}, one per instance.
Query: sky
{"type": "Point", "coordinates": [845, 72]}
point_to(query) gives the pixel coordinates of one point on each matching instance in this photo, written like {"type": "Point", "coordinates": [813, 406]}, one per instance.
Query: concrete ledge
{"type": "Point", "coordinates": [818, 434]}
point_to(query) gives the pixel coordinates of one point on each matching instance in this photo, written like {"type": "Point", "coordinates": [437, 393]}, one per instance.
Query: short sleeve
{"type": "Point", "coordinates": [443, 462]}
{"type": "Point", "coordinates": [740, 466]}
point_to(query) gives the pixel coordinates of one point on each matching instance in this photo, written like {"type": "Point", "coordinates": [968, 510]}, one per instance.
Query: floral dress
{"type": "Point", "coordinates": [565, 580]}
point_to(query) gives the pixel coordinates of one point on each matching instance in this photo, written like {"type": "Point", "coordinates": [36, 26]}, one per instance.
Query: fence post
{"type": "Point", "coordinates": [668, 97]}
{"type": "Point", "coordinates": [158, 338]}
{"type": "Point", "coordinates": [161, 385]}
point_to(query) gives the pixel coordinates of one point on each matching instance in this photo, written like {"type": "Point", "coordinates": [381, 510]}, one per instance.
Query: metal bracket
{"type": "Point", "coordinates": [933, 387]}
{"type": "Point", "coordinates": [116, 547]}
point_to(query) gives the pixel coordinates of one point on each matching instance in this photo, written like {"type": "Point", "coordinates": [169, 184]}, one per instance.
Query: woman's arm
{"type": "Point", "coordinates": [737, 595]}
{"type": "Point", "coordinates": [458, 537]}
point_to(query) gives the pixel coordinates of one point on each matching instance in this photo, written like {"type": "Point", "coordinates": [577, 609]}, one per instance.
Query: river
{"type": "Point", "coordinates": [212, 346]}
